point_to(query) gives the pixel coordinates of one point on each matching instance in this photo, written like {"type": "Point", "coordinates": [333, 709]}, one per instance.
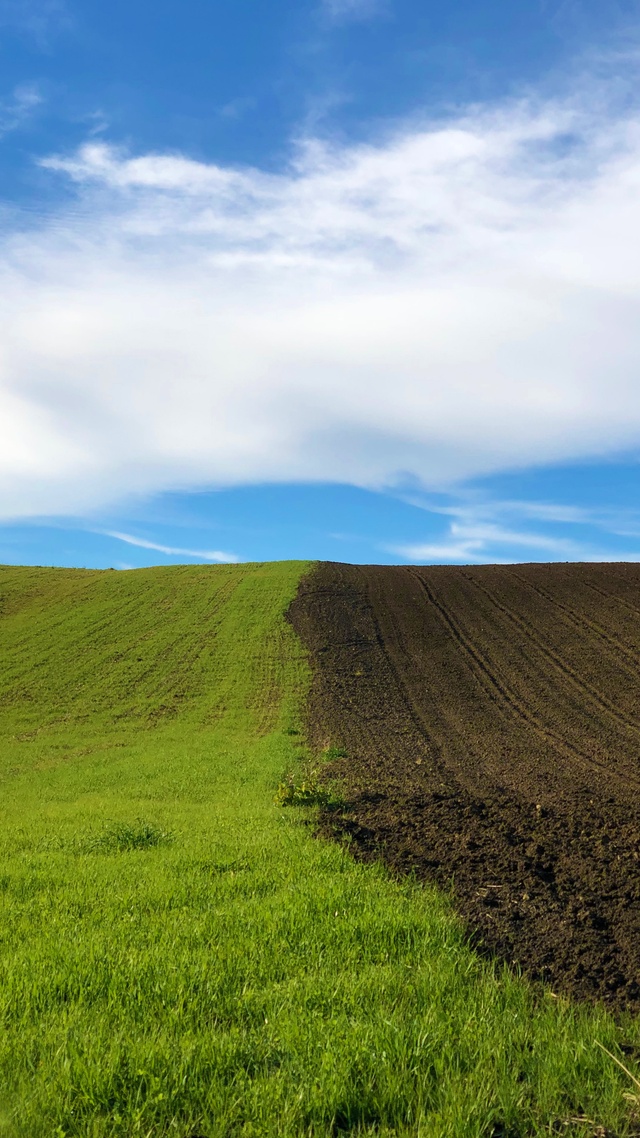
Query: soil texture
{"type": "Point", "coordinates": [491, 721]}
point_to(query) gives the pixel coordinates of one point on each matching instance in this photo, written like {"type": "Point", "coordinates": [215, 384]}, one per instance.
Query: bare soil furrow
{"type": "Point", "coordinates": [591, 629]}
{"type": "Point", "coordinates": [485, 747]}
{"type": "Point", "coordinates": [497, 689]}
{"type": "Point", "coordinates": [589, 696]}
{"type": "Point", "coordinates": [620, 575]}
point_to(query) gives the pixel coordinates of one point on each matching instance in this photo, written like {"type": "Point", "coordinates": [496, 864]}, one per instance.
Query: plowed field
{"type": "Point", "coordinates": [491, 719]}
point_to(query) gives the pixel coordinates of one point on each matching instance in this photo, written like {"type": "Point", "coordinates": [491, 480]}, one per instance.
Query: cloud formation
{"type": "Point", "coordinates": [484, 530]}
{"type": "Point", "coordinates": [457, 299]}
{"type": "Point", "coordinates": [18, 107]}
{"type": "Point", "coordinates": [172, 551]}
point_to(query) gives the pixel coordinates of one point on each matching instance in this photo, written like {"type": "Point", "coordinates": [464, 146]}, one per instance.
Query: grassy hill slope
{"type": "Point", "coordinates": [178, 955]}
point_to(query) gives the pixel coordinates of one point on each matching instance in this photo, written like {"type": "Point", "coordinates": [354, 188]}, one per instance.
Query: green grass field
{"type": "Point", "coordinates": [180, 956]}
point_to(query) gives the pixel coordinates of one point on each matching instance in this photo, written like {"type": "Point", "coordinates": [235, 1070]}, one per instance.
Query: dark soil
{"type": "Point", "coordinates": [491, 719]}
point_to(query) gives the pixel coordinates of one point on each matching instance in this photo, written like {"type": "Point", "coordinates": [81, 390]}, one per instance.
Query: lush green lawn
{"type": "Point", "coordinates": [178, 955]}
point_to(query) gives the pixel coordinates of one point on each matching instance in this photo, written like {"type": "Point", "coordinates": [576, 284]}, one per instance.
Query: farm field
{"type": "Point", "coordinates": [180, 955]}
{"type": "Point", "coordinates": [491, 719]}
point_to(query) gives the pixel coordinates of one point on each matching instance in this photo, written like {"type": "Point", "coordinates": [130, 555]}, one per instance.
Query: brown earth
{"type": "Point", "coordinates": [491, 720]}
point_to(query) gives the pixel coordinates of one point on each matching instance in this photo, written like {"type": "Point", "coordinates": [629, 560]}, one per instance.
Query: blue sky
{"type": "Point", "coordinates": [351, 279]}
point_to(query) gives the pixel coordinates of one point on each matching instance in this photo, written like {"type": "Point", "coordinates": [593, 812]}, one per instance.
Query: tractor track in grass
{"type": "Point", "coordinates": [491, 721]}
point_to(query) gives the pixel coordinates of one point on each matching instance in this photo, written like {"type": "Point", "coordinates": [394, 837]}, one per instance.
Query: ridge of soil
{"type": "Point", "coordinates": [491, 720]}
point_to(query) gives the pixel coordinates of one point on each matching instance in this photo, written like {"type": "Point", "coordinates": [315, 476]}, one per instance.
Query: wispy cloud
{"type": "Point", "coordinates": [481, 533]}
{"type": "Point", "coordinates": [462, 297]}
{"type": "Point", "coordinates": [345, 11]}
{"type": "Point", "coordinates": [237, 108]}
{"type": "Point", "coordinates": [38, 19]}
{"type": "Point", "coordinates": [482, 543]}
{"type": "Point", "coordinates": [172, 551]}
{"type": "Point", "coordinates": [18, 107]}
{"type": "Point", "coordinates": [97, 122]}
{"type": "Point", "coordinates": [470, 505]}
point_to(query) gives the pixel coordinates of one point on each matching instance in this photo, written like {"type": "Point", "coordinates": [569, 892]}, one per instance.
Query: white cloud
{"type": "Point", "coordinates": [18, 107]}
{"type": "Point", "coordinates": [483, 532]}
{"type": "Point", "coordinates": [459, 299]}
{"type": "Point", "coordinates": [504, 548]}
{"type": "Point", "coordinates": [475, 506]}
{"type": "Point", "coordinates": [473, 543]}
{"type": "Point", "coordinates": [172, 551]}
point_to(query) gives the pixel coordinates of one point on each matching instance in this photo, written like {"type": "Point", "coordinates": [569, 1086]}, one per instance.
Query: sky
{"type": "Point", "coordinates": [346, 279]}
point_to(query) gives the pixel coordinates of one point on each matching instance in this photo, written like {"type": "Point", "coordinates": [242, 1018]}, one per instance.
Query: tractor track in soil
{"type": "Point", "coordinates": [491, 719]}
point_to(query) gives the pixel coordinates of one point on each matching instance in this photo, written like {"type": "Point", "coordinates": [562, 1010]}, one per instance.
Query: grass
{"type": "Point", "coordinates": [179, 955]}
{"type": "Point", "coordinates": [306, 787]}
